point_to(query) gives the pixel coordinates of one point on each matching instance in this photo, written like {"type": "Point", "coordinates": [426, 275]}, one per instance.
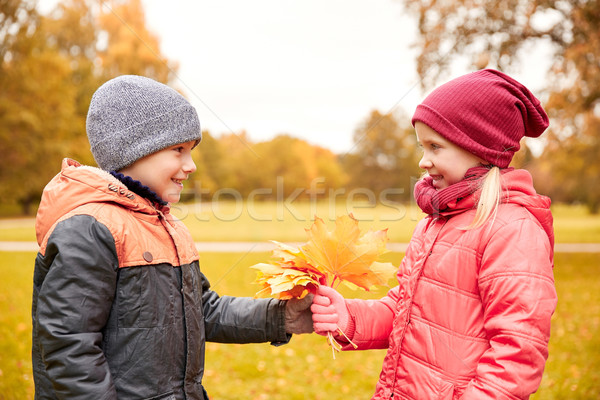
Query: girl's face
{"type": "Point", "coordinates": [444, 161]}
{"type": "Point", "coordinates": [164, 171]}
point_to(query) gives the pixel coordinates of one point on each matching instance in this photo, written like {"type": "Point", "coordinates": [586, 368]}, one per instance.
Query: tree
{"type": "Point", "coordinates": [295, 165]}
{"type": "Point", "coordinates": [385, 155]}
{"type": "Point", "coordinates": [212, 165]}
{"type": "Point", "coordinates": [49, 68]}
{"type": "Point", "coordinates": [71, 30]}
{"type": "Point", "coordinates": [497, 34]}
{"type": "Point", "coordinates": [16, 17]}
{"type": "Point", "coordinates": [282, 166]}
{"type": "Point", "coordinates": [35, 104]}
{"type": "Point", "coordinates": [130, 47]}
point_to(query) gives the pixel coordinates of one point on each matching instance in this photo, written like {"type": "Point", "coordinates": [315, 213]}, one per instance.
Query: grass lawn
{"type": "Point", "coordinates": [305, 369]}
{"type": "Point", "coordinates": [263, 221]}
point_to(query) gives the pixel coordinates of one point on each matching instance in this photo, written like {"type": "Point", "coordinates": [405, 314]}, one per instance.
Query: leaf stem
{"type": "Point", "coordinates": [347, 338]}
{"type": "Point", "coordinates": [335, 345]}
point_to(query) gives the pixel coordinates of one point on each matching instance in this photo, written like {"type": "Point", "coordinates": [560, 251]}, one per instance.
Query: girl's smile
{"type": "Point", "coordinates": [445, 162]}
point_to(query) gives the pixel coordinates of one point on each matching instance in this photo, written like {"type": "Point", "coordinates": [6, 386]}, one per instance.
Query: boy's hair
{"type": "Point", "coordinates": [131, 117]}
{"type": "Point", "coordinates": [486, 113]}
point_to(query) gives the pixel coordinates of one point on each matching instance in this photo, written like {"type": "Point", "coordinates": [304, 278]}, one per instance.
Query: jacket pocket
{"type": "Point", "coordinates": [164, 396]}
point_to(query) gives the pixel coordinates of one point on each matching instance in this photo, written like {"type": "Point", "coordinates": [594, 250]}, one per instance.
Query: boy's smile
{"type": "Point", "coordinates": [164, 171]}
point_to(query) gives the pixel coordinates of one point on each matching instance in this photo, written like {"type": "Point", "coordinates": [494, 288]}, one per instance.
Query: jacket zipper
{"type": "Point", "coordinates": [433, 224]}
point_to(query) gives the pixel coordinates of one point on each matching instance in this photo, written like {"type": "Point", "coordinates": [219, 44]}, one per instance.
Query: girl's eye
{"type": "Point", "coordinates": [434, 146]}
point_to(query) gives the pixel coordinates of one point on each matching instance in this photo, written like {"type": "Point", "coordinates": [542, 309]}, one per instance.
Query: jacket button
{"type": "Point", "coordinates": [148, 256]}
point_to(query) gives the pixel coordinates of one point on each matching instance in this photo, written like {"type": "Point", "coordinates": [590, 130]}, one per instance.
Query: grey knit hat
{"type": "Point", "coordinates": [131, 117]}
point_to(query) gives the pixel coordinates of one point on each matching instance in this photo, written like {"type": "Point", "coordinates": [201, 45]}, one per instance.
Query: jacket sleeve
{"type": "Point", "coordinates": [229, 319]}
{"type": "Point", "coordinates": [371, 322]}
{"type": "Point", "coordinates": [516, 286]}
{"type": "Point", "coordinates": [74, 302]}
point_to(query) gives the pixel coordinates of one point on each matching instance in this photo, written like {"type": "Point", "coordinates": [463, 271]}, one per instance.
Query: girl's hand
{"type": "Point", "coordinates": [330, 313]}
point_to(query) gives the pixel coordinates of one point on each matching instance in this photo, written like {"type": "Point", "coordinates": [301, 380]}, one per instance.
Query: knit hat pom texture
{"type": "Point", "coordinates": [485, 112]}
{"type": "Point", "coordinates": [132, 116]}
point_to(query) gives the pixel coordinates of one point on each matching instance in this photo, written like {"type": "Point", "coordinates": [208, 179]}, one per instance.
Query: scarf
{"type": "Point", "coordinates": [433, 201]}
{"type": "Point", "coordinates": [139, 188]}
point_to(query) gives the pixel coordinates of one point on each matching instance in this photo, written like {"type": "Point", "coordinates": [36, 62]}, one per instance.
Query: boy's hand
{"type": "Point", "coordinates": [298, 318]}
{"type": "Point", "coordinates": [329, 311]}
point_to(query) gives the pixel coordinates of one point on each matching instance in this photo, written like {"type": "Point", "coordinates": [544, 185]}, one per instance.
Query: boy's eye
{"type": "Point", "coordinates": [178, 149]}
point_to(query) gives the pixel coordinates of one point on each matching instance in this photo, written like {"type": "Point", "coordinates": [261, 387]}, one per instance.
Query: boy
{"type": "Point", "coordinates": [120, 306]}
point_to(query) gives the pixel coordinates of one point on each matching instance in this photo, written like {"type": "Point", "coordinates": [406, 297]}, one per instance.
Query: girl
{"type": "Point", "coordinates": [470, 317]}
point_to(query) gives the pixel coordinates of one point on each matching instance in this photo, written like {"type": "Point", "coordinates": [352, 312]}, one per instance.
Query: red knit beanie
{"type": "Point", "coordinates": [486, 113]}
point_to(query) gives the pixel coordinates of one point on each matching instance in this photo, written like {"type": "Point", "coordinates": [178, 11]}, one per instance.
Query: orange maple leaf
{"type": "Point", "coordinates": [328, 258]}
{"type": "Point", "coordinates": [345, 255]}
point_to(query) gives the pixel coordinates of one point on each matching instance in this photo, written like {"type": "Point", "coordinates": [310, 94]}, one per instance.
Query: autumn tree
{"type": "Point", "coordinates": [211, 161]}
{"type": "Point", "coordinates": [289, 165]}
{"type": "Point", "coordinates": [499, 34]}
{"type": "Point", "coordinates": [384, 156]}
{"type": "Point", "coordinates": [71, 30]}
{"type": "Point", "coordinates": [282, 166]}
{"type": "Point", "coordinates": [36, 106]}
{"type": "Point", "coordinates": [50, 65]}
{"type": "Point", "coordinates": [130, 47]}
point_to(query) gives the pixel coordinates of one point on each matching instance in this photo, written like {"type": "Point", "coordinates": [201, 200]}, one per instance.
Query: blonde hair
{"type": "Point", "coordinates": [489, 199]}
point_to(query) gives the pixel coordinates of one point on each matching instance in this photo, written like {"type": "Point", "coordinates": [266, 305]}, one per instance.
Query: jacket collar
{"type": "Point", "coordinates": [76, 185]}
{"type": "Point", "coordinates": [517, 188]}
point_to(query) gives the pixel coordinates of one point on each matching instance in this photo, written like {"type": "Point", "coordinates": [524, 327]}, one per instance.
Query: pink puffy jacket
{"type": "Point", "coordinates": [470, 318]}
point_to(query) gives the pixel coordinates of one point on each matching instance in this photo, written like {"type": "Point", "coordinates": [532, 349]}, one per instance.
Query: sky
{"type": "Point", "coordinates": [311, 69]}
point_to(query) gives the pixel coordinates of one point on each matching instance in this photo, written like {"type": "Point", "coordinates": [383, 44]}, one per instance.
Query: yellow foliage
{"type": "Point", "coordinates": [329, 257]}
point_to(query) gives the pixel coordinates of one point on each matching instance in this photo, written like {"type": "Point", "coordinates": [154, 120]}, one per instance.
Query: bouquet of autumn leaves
{"type": "Point", "coordinates": [342, 255]}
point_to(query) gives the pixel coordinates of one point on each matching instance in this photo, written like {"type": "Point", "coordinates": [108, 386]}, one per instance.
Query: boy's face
{"type": "Point", "coordinates": [164, 171]}
{"type": "Point", "coordinates": [444, 161]}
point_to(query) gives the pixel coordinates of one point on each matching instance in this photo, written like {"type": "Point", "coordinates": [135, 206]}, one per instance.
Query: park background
{"type": "Point", "coordinates": [252, 187]}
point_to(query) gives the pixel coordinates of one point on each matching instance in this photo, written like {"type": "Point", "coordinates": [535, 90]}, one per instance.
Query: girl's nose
{"type": "Point", "coordinates": [424, 162]}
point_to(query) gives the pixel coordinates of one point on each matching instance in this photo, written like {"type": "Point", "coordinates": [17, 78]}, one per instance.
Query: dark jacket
{"type": "Point", "coordinates": [120, 307]}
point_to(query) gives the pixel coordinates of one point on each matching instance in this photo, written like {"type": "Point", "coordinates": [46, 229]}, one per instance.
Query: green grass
{"type": "Point", "coordinates": [263, 221]}
{"type": "Point", "coordinates": [21, 229]}
{"type": "Point", "coordinates": [16, 280]}
{"type": "Point", "coordinates": [574, 224]}
{"type": "Point", "coordinates": [305, 369]}
{"type": "Point", "coordinates": [573, 367]}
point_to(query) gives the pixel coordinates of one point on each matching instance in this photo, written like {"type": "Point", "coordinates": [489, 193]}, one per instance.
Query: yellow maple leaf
{"type": "Point", "coordinates": [347, 256]}
{"type": "Point", "coordinates": [328, 258]}
{"type": "Point", "coordinates": [283, 281]}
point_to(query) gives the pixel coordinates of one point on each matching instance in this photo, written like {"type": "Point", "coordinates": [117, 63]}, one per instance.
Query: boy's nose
{"type": "Point", "coordinates": [189, 166]}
